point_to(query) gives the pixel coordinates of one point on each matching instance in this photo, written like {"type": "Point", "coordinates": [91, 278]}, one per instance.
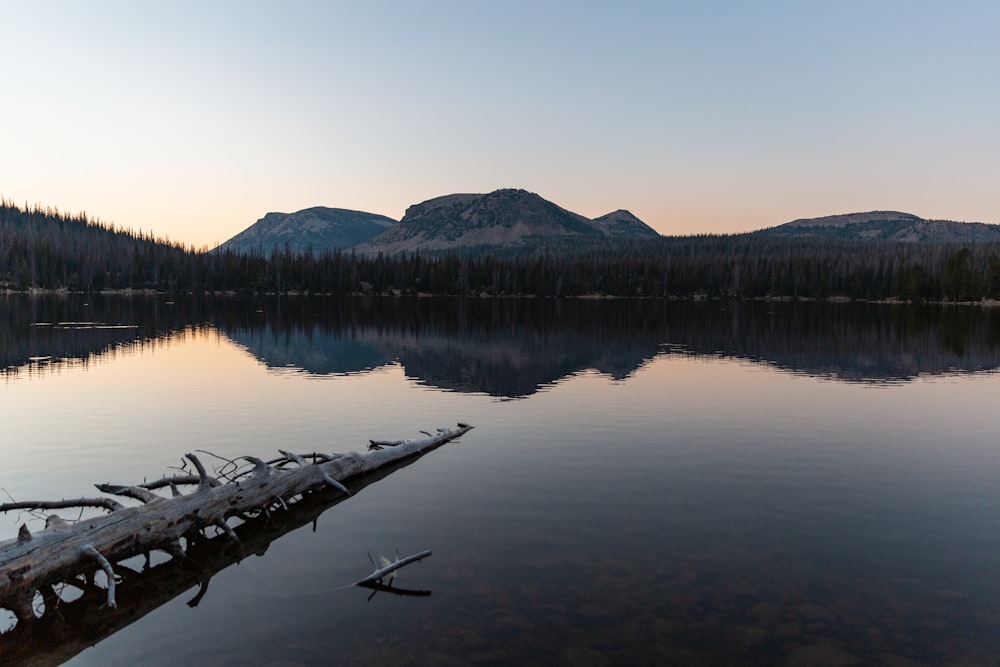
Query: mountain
{"type": "Point", "coordinates": [622, 224]}
{"type": "Point", "coordinates": [886, 226]}
{"type": "Point", "coordinates": [503, 220]}
{"type": "Point", "coordinates": [319, 228]}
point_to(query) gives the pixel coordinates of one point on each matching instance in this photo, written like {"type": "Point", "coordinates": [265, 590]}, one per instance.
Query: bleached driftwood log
{"type": "Point", "coordinates": [69, 627]}
{"type": "Point", "coordinates": [34, 563]}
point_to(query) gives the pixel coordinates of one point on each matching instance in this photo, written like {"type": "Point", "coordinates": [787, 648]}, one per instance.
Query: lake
{"type": "Point", "coordinates": [648, 482]}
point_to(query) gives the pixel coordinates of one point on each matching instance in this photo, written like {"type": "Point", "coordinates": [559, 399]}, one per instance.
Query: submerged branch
{"type": "Point", "coordinates": [381, 572]}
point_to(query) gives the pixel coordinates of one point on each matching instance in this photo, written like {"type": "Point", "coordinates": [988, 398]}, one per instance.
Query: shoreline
{"type": "Point", "coordinates": [397, 294]}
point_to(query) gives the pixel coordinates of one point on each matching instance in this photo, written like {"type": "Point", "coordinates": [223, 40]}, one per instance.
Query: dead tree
{"type": "Point", "coordinates": [63, 551]}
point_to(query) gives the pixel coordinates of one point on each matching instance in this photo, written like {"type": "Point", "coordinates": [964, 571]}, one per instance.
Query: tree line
{"type": "Point", "coordinates": [47, 249]}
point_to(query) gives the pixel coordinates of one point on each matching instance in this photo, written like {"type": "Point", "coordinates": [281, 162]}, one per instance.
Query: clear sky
{"type": "Point", "coordinates": [194, 119]}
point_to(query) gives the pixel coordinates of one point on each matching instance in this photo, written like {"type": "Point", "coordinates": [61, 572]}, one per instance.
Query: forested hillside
{"type": "Point", "coordinates": [48, 250]}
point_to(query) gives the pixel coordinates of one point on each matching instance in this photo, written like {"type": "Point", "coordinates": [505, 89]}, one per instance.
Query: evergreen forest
{"type": "Point", "coordinates": [44, 249]}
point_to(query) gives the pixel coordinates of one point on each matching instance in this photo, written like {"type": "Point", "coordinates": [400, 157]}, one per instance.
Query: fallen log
{"type": "Point", "coordinates": [34, 563]}
{"type": "Point", "coordinates": [70, 627]}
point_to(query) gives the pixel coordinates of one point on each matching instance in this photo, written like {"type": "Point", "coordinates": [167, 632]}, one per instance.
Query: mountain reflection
{"type": "Point", "coordinates": [513, 348]}
{"type": "Point", "coordinates": [504, 348]}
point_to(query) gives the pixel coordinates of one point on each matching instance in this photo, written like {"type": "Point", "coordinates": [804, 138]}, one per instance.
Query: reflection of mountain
{"type": "Point", "coordinates": [313, 350]}
{"type": "Point", "coordinates": [512, 348]}
{"type": "Point", "coordinates": [502, 348]}
{"type": "Point", "coordinates": [515, 363]}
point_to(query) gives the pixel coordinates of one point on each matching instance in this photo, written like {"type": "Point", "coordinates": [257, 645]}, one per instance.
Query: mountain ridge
{"type": "Point", "coordinates": [319, 228]}
{"type": "Point", "coordinates": [507, 219]}
{"type": "Point", "coordinates": [511, 221]}
{"type": "Point", "coordinates": [884, 226]}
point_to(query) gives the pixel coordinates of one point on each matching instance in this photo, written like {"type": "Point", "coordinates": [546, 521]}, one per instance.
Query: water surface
{"type": "Point", "coordinates": [647, 483]}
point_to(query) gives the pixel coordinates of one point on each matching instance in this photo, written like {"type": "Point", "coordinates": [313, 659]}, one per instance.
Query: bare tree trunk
{"type": "Point", "coordinates": [63, 551]}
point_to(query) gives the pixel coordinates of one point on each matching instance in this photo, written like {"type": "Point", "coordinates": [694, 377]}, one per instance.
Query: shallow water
{"type": "Point", "coordinates": [647, 483]}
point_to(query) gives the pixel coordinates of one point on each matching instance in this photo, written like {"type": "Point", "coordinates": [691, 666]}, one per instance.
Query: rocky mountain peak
{"type": "Point", "coordinates": [318, 229]}
{"type": "Point", "coordinates": [503, 220]}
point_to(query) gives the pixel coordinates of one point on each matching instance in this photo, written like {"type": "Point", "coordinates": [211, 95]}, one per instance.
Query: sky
{"type": "Point", "coordinates": [194, 119]}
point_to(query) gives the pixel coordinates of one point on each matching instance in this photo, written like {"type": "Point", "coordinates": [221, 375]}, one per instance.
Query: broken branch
{"type": "Point", "coordinates": [103, 503]}
{"type": "Point", "coordinates": [381, 572]}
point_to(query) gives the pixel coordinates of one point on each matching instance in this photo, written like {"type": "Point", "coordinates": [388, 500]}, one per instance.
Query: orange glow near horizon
{"type": "Point", "coordinates": [696, 121]}
{"type": "Point", "coordinates": [209, 223]}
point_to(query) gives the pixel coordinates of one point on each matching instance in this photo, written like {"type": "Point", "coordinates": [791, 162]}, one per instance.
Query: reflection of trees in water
{"type": "Point", "coordinates": [852, 342]}
{"type": "Point", "coordinates": [44, 332]}
{"type": "Point", "coordinates": [512, 347]}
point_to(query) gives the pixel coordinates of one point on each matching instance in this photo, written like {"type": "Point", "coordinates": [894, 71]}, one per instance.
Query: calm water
{"type": "Point", "coordinates": [648, 483]}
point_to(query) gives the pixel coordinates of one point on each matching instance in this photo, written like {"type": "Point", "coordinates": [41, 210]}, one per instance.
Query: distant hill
{"type": "Point", "coordinates": [503, 220]}
{"type": "Point", "coordinates": [622, 224]}
{"type": "Point", "coordinates": [886, 226]}
{"type": "Point", "coordinates": [319, 228]}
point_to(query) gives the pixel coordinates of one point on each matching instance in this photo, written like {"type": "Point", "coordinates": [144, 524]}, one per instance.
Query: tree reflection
{"type": "Point", "coordinates": [512, 348]}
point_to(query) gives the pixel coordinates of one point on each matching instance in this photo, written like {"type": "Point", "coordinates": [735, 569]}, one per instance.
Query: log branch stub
{"type": "Point", "coordinates": [135, 492]}
{"type": "Point", "coordinates": [292, 456]}
{"type": "Point", "coordinates": [335, 484]}
{"type": "Point", "coordinates": [228, 530]}
{"type": "Point", "coordinates": [301, 461]}
{"type": "Point", "coordinates": [379, 444]}
{"type": "Point", "coordinates": [260, 469]}
{"type": "Point", "coordinates": [89, 551]}
{"type": "Point", "coordinates": [203, 481]}
{"type": "Point", "coordinates": [175, 480]}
